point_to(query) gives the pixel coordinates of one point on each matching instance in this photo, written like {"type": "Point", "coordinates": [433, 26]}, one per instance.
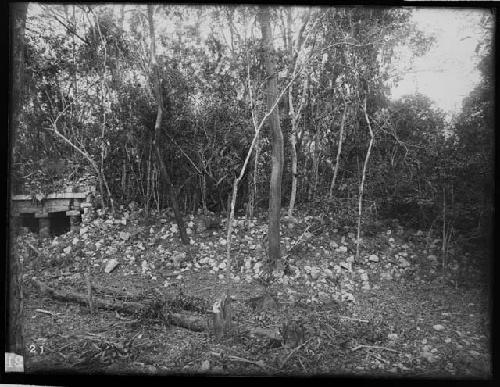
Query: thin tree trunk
{"type": "Point", "coordinates": [316, 156]}
{"type": "Point", "coordinates": [204, 193]}
{"type": "Point", "coordinates": [295, 116]}
{"type": "Point", "coordinates": [163, 169]}
{"type": "Point", "coordinates": [361, 186]}
{"type": "Point", "coordinates": [278, 151]}
{"type": "Point", "coordinates": [293, 193]}
{"type": "Point", "coordinates": [443, 246]}
{"type": "Point", "coordinates": [339, 151]}
{"type": "Point", "coordinates": [15, 337]}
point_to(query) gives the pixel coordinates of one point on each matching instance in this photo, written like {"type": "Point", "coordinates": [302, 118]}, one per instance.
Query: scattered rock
{"type": "Point", "coordinates": [341, 249]}
{"type": "Point", "coordinates": [346, 266]}
{"type": "Point", "coordinates": [430, 357]}
{"type": "Point", "coordinates": [385, 276]}
{"type": "Point", "coordinates": [205, 365]}
{"type": "Point", "coordinates": [178, 258]}
{"type": "Point", "coordinates": [315, 271]}
{"type": "Point", "coordinates": [144, 267]}
{"type": "Point", "coordinates": [350, 259]}
{"type": "Point", "coordinates": [438, 327]}
{"type": "Point", "coordinates": [222, 265]}
{"type": "Point", "coordinates": [328, 273]}
{"type": "Point", "coordinates": [392, 336]}
{"type": "Point", "coordinates": [432, 257]}
{"type": "Point", "coordinates": [323, 296]}
{"type": "Point", "coordinates": [333, 244]}
{"type": "Point", "coordinates": [404, 263]}
{"type": "Point", "coordinates": [111, 265]}
{"type": "Point", "coordinates": [373, 258]}
{"type": "Point", "coordinates": [364, 277]}
{"type": "Point", "coordinates": [124, 235]}
{"type": "Point", "coordinates": [67, 250]}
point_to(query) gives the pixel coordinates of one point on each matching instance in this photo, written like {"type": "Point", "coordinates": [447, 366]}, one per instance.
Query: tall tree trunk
{"type": "Point", "coordinates": [363, 177]}
{"type": "Point", "coordinates": [315, 166]}
{"type": "Point", "coordinates": [295, 117]}
{"type": "Point", "coordinates": [278, 151]}
{"type": "Point", "coordinates": [159, 98]}
{"type": "Point", "coordinates": [339, 150]}
{"type": "Point", "coordinates": [295, 114]}
{"type": "Point", "coordinates": [293, 192]}
{"type": "Point", "coordinates": [252, 182]}
{"type": "Point", "coordinates": [15, 339]}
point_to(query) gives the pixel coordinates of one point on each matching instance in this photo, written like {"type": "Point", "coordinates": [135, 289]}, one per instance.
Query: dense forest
{"type": "Point", "coordinates": [232, 119]}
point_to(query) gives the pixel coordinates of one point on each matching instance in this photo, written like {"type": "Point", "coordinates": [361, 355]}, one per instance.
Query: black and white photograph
{"type": "Point", "coordinates": [250, 190]}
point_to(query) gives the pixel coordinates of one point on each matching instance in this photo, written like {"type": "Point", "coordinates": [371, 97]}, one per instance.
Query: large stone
{"type": "Point", "coordinates": [315, 272]}
{"type": "Point", "coordinates": [178, 258]}
{"type": "Point", "coordinates": [111, 265]}
{"type": "Point", "coordinates": [373, 258]}
{"type": "Point", "coordinates": [124, 235]}
{"type": "Point", "coordinates": [341, 249]}
{"type": "Point", "coordinates": [333, 244]}
{"type": "Point", "coordinates": [44, 226]}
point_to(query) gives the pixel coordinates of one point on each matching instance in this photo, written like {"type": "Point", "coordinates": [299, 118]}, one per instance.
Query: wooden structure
{"type": "Point", "coordinates": [42, 207]}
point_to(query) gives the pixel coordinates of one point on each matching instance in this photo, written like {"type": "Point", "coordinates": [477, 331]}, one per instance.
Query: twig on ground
{"type": "Point", "coordinates": [203, 289]}
{"type": "Point", "coordinates": [259, 363]}
{"type": "Point", "coordinates": [354, 319]}
{"type": "Point", "coordinates": [379, 358]}
{"type": "Point", "coordinates": [302, 364]}
{"type": "Point", "coordinates": [47, 312]}
{"type": "Point", "coordinates": [374, 347]}
{"type": "Point", "coordinates": [33, 248]}
{"type": "Point", "coordinates": [293, 351]}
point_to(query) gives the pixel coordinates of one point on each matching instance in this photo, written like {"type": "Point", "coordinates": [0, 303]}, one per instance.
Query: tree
{"type": "Point", "coordinates": [277, 139]}
{"type": "Point", "coordinates": [15, 341]}
{"type": "Point", "coordinates": [157, 131]}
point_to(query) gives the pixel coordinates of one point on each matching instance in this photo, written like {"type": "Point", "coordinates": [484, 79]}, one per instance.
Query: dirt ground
{"type": "Point", "coordinates": [396, 314]}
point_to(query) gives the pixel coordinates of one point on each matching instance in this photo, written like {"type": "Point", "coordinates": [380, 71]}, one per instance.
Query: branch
{"type": "Point", "coordinates": [187, 156]}
{"type": "Point", "coordinates": [374, 347]}
{"type": "Point", "coordinates": [68, 28]}
{"type": "Point", "coordinates": [67, 141]}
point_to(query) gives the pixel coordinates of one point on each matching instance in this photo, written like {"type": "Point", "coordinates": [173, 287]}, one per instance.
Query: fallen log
{"type": "Point", "coordinates": [184, 320]}
{"type": "Point", "coordinates": [119, 306]}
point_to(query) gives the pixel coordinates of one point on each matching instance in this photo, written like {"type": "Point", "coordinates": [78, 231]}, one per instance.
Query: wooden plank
{"type": "Point", "coordinates": [73, 213]}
